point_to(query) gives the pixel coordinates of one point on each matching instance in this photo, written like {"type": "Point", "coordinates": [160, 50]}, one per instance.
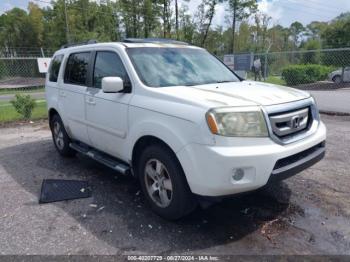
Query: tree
{"type": "Point", "coordinates": [187, 26]}
{"type": "Point", "coordinates": [207, 7]}
{"type": "Point", "coordinates": [262, 22]}
{"type": "Point", "coordinates": [16, 29]}
{"type": "Point", "coordinates": [239, 10]}
{"type": "Point", "coordinates": [35, 17]}
{"type": "Point", "coordinates": [314, 56]}
{"type": "Point", "coordinates": [296, 30]}
{"type": "Point", "coordinates": [337, 35]}
{"type": "Point", "coordinates": [315, 29]}
{"type": "Point", "coordinates": [166, 15]}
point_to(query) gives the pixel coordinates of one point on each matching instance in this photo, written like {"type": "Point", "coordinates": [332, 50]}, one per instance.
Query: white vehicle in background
{"type": "Point", "coordinates": [336, 76]}
{"type": "Point", "coordinates": [179, 120]}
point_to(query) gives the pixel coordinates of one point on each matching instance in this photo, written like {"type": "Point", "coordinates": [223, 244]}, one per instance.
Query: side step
{"type": "Point", "coordinates": [103, 158]}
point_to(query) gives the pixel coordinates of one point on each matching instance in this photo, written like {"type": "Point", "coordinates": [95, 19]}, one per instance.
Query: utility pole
{"type": "Point", "coordinates": [66, 18]}
{"type": "Point", "coordinates": [177, 20]}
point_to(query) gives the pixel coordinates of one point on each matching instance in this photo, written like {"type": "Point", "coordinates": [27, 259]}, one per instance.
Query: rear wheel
{"type": "Point", "coordinates": [60, 137]}
{"type": "Point", "coordinates": [164, 184]}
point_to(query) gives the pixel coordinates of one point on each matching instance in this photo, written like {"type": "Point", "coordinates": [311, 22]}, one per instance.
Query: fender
{"type": "Point", "coordinates": [175, 132]}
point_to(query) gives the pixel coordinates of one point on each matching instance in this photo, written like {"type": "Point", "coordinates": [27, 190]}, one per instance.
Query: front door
{"type": "Point", "coordinates": [107, 113]}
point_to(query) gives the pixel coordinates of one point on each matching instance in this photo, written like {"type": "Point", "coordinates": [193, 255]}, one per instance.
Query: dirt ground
{"type": "Point", "coordinates": [323, 85]}
{"type": "Point", "coordinates": [21, 82]}
{"type": "Point", "coordinates": [306, 214]}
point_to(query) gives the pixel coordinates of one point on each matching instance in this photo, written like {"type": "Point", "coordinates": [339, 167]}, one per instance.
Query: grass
{"type": "Point", "coordinates": [9, 114]}
{"type": "Point", "coordinates": [21, 91]}
{"type": "Point", "coordinates": [277, 80]}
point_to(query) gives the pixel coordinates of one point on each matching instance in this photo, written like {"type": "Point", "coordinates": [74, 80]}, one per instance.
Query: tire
{"type": "Point", "coordinates": [164, 184]}
{"type": "Point", "coordinates": [337, 79]}
{"type": "Point", "coordinates": [60, 137]}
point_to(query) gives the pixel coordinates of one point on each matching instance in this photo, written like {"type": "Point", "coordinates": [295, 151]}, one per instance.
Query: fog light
{"type": "Point", "coordinates": [238, 174]}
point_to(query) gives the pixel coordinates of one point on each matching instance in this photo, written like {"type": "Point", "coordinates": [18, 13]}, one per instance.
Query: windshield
{"type": "Point", "coordinates": [160, 67]}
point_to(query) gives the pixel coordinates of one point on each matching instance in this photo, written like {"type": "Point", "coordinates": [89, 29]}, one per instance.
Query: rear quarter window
{"type": "Point", "coordinates": [77, 68]}
{"type": "Point", "coordinates": [55, 68]}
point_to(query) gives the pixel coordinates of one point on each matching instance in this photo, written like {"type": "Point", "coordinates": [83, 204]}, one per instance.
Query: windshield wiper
{"type": "Point", "coordinates": [224, 81]}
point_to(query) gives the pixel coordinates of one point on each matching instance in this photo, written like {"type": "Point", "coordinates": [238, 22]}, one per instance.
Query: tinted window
{"type": "Point", "coordinates": [55, 68]}
{"type": "Point", "coordinates": [77, 67]}
{"type": "Point", "coordinates": [108, 64]}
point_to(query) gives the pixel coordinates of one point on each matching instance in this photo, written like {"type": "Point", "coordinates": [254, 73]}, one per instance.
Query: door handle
{"type": "Point", "coordinates": [90, 101]}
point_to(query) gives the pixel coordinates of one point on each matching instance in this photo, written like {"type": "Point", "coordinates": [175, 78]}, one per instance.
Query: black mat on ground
{"type": "Point", "coordinates": [53, 190]}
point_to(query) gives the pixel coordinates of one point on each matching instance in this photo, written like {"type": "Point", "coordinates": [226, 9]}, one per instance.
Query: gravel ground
{"type": "Point", "coordinates": [306, 214]}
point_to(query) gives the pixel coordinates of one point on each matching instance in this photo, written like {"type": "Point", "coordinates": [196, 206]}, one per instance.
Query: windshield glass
{"type": "Point", "coordinates": [160, 67]}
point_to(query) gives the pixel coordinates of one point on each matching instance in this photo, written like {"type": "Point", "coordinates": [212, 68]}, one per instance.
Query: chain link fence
{"type": "Point", "coordinates": [307, 69]}
{"type": "Point", "coordinates": [19, 68]}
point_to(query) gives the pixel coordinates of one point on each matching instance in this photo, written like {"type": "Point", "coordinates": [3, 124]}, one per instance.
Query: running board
{"type": "Point", "coordinates": [102, 158]}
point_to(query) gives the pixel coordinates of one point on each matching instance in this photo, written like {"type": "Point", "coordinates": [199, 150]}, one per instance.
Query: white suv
{"type": "Point", "coordinates": [179, 120]}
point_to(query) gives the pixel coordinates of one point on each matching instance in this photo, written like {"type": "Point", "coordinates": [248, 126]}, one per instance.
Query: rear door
{"type": "Point", "coordinates": [72, 95]}
{"type": "Point", "coordinates": [52, 81]}
{"type": "Point", "coordinates": [106, 113]}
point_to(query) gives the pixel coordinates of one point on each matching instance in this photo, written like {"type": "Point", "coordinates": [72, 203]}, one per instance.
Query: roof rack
{"type": "Point", "coordinates": [89, 42]}
{"type": "Point", "coordinates": [154, 40]}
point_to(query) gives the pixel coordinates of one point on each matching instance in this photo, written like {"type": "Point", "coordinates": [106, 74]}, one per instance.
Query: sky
{"type": "Point", "coordinates": [283, 12]}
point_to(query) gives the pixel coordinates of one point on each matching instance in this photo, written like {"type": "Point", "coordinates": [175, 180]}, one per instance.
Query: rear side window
{"type": "Point", "coordinates": [108, 64]}
{"type": "Point", "coordinates": [55, 68]}
{"type": "Point", "coordinates": [76, 68]}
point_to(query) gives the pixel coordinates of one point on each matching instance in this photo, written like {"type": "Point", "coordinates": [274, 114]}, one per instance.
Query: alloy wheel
{"type": "Point", "coordinates": [158, 183]}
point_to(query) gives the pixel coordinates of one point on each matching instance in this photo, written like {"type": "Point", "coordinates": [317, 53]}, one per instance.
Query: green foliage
{"type": "Point", "coordinates": [8, 113]}
{"type": "Point", "coordinates": [340, 58]}
{"type": "Point", "coordinates": [296, 30]}
{"type": "Point", "coordinates": [24, 105]}
{"type": "Point", "coordinates": [311, 57]}
{"type": "Point", "coordinates": [239, 10]}
{"type": "Point", "coordinates": [108, 20]}
{"type": "Point", "coordinates": [337, 34]}
{"type": "Point", "coordinates": [275, 80]}
{"type": "Point", "coordinates": [305, 74]}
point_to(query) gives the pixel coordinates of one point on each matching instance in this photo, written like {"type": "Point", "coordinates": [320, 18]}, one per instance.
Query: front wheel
{"type": "Point", "coordinates": [337, 79]}
{"type": "Point", "coordinates": [164, 184]}
{"type": "Point", "coordinates": [60, 137]}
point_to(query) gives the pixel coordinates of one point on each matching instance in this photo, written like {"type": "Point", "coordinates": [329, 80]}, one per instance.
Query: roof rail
{"type": "Point", "coordinates": [89, 42]}
{"type": "Point", "coordinates": [154, 40]}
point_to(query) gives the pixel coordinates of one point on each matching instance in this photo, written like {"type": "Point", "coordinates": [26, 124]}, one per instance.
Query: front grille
{"type": "Point", "coordinates": [289, 124]}
{"type": "Point", "coordinates": [295, 158]}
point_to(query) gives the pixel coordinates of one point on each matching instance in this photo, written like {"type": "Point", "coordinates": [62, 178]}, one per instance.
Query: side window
{"type": "Point", "coordinates": [55, 68]}
{"type": "Point", "coordinates": [108, 64]}
{"type": "Point", "coordinates": [76, 68]}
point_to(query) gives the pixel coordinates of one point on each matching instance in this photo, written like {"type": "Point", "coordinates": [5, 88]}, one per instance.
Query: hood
{"type": "Point", "coordinates": [337, 72]}
{"type": "Point", "coordinates": [245, 93]}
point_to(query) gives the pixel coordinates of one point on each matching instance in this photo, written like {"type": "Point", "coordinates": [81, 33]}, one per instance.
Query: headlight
{"type": "Point", "coordinates": [237, 121]}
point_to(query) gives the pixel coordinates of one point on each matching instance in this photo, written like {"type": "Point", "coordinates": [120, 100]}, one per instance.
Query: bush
{"type": "Point", "coordinates": [305, 74]}
{"type": "Point", "coordinates": [24, 105]}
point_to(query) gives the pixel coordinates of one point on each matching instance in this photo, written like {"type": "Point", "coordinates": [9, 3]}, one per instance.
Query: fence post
{"type": "Point", "coordinates": [265, 68]}
{"type": "Point", "coordinates": [266, 53]}
{"type": "Point", "coordinates": [42, 52]}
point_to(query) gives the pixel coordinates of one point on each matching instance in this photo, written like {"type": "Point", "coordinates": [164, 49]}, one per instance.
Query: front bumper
{"type": "Point", "coordinates": [210, 169]}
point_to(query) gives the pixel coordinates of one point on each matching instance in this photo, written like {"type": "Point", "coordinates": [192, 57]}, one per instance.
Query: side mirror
{"type": "Point", "coordinates": [112, 84]}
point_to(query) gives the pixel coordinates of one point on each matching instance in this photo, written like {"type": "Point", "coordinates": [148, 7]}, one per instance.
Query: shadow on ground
{"type": "Point", "coordinates": [123, 220]}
